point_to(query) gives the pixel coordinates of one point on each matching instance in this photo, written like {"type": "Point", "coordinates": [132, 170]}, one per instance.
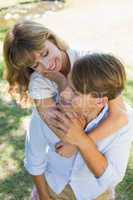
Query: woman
{"type": "Point", "coordinates": [37, 62]}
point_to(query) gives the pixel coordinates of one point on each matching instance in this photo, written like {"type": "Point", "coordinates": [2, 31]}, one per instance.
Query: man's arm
{"type": "Point", "coordinates": [41, 187]}
{"type": "Point", "coordinates": [36, 154]}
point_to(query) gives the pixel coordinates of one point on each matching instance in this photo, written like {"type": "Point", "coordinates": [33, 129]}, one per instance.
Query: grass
{"type": "Point", "coordinates": [128, 94]}
{"type": "Point", "coordinates": [2, 33]}
{"type": "Point", "coordinates": [1, 69]}
{"type": "Point", "coordinates": [125, 188]}
{"type": "Point", "coordinates": [15, 184]}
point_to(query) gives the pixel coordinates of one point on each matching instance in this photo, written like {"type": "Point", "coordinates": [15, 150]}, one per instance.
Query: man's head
{"type": "Point", "coordinates": [95, 79]}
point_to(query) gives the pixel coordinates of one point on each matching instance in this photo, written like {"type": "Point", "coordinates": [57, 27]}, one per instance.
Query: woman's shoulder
{"type": "Point", "coordinates": [41, 87]}
{"type": "Point", "coordinates": [36, 75]}
{"type": "Point", "coordinates": [37, 78]}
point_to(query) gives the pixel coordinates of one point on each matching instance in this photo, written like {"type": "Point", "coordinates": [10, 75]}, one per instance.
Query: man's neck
{"type": "Point", "coordinates": [92, 114]}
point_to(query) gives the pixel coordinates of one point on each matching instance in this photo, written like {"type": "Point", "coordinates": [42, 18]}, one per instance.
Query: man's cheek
{"type": "Point", "coordinates": [77, 108]}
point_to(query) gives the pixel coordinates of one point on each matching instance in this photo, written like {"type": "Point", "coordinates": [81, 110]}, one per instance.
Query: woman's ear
{"type": "Point", "coordinates": [101, 102]}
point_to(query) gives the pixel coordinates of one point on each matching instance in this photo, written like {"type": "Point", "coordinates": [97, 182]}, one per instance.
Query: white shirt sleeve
{"type": "Point", "coordinates": [35, 147]}
{"type": "Point", "coordinates": [117, 156]}
{"type": "Point", "coordinates": [41, 87]}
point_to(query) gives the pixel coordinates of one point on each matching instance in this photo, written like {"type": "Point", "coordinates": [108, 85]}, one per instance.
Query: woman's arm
{"type": "Point", "coordinates": [107, 168]}
{"type": "Point", "coordinates": [117, 119]}
{"type": "Point", "coordinates": [71, 131]}
{"type": "Point", "coordinates": [74, 134]}
{"type": "Point", "coordinates": [43, 91]}
{"type": "Point", "coordinates": [94, 159]}
{"type": "Point", "coordinates": [111, 171]}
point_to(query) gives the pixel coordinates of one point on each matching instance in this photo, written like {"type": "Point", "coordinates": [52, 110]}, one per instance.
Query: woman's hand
{"type": "Point", "coordinates": [57, 77]}
{"type": "Point", "coordinates": [70, 126]}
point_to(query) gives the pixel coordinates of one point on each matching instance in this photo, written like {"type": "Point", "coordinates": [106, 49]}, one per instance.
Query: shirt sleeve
{"type": "Point", "coordinates": [117, 156]}
{"type": "Point", "coordinates": [36, 147]}
{"type": "Point", "coordinates": [41, 87]}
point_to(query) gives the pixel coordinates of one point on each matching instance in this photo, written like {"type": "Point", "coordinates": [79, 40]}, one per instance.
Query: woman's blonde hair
{"type": "Point", "coordinates": [20, 42]}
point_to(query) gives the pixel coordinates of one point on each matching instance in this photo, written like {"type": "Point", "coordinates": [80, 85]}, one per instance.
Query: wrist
{"type": "Point", "coordinates": [85, 142]}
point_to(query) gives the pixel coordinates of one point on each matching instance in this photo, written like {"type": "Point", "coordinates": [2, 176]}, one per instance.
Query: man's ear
{"type": "Point", "coordinates": [101, 102]}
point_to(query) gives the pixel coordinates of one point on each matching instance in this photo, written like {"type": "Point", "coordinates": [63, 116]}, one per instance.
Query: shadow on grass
{"type": "Point", "coordinates": [10, 118]}
{"type": "Point", "coordinates": [16, 184]}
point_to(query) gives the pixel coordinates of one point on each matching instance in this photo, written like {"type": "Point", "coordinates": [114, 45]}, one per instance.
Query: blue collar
{"type": "Point", "coordinates": [95, 122]}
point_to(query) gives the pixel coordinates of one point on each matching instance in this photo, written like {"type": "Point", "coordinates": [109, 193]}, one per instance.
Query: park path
{"type": "Point", "coordinates": [97, 25]}
{"type": "Point", "coordinates": [8, 3]}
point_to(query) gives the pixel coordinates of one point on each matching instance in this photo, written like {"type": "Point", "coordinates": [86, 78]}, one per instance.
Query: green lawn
{"type": "Point", "coordinates": [15, 183]}
{"type": "Point", "coordinates": [2, 33]}
{"type": "Point", "coordinates": [1, 67]}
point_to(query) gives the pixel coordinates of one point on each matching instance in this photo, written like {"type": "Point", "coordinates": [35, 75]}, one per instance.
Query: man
{"type": "Point", "coordinates": [96, 167]}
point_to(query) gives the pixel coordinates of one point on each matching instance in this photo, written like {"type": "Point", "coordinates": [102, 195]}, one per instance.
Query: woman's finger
{"type": "Point", "coordinates": [61, 117]}
{"type": "Point", "coordinates": [72, 115]}
{"type": "Point", "coordinates": [82, 120]}
{"type": "Point", "coordinates": [55, 123]}
{"type": "Point", "coordinates": [59, 132]}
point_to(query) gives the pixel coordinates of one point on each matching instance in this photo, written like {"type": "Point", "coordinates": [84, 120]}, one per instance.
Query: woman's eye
{"type": "Point", "coordinates": [35, 66]}
{"type": "Point", "coordinates": [45, 54]}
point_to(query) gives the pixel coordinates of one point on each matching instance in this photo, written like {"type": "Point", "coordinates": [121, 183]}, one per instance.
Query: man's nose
{"type": "Point", "coordinates": [66, 95]}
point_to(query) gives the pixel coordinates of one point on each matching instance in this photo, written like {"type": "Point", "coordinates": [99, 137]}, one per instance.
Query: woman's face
{"type": "Point", "coordinates": [50, 58]}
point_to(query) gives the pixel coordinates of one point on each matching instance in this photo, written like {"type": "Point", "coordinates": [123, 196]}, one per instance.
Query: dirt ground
{"type": "Point", "coordinates": [95, 25]}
